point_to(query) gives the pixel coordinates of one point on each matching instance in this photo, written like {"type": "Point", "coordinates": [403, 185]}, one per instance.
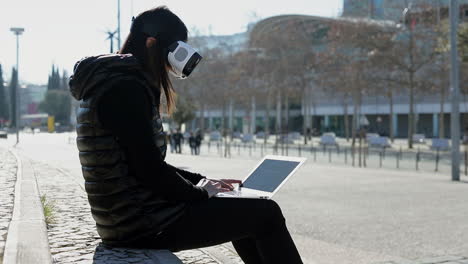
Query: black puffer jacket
{"type": "Point", "coordinates": [123, 208]}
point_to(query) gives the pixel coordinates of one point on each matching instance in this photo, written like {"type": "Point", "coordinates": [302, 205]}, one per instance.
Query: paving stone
{"type": "Point", "coordinates": [441, 259]}
{"type": "Point", "coordinates": [8, 169]}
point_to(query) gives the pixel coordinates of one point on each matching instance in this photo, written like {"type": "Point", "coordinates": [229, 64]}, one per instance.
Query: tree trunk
{"type": "Point", "coordinates": [411, 112]}
{"type": "Point", "coordinates": [202, 119]}
{"type": "Point", "coordinates": [346, 121]}
{"type": "Point", "coordinates": [231, 117]}
{"type": "Point", "coordinates": [267, 118]}
{"type": "Point", "coordinates": [286, 106]}
{"type": "Point", "coordinates": [392, 136]}
{"type": "Point", "coordinates": [411, 77]}
{"type": "Point", "coordinates": [253, 115]}
{"type": "Point", "coordinates": [278, 113]}
{"type": "Point", "coordinates": [441, 114]}
{"type": "Point", "coordinates": [305, 109]}
{"type": "Point", "coordinates": [355, 119]}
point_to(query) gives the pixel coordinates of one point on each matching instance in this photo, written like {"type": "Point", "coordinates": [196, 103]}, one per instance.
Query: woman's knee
{"type": "Point", "coordinates": [272, 213]}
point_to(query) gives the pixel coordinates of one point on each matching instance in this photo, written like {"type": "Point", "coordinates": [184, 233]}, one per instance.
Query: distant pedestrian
{"type": "Point", "coordinates": [171, 141]}
{"type": "Point", "coordinates": [178, 140]}
{"type": "Point", "coordinates": [193, 144]}
{"type": "Point", "coordinates": [198, 140]}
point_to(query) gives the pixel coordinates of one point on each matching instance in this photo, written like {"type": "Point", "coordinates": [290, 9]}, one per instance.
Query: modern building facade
{"type": "Point", "coordinates": [329, 112]}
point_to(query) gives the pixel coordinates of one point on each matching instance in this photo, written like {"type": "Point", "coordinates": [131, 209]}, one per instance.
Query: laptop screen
{"type": "Point", "coordinates": [270, 174]}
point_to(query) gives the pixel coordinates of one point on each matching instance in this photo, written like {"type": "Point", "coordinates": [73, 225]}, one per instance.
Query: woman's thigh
{"type": "Point", "coordinates": [219, 220]}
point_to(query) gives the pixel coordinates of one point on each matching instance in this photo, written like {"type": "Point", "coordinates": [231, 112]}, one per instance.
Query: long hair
{"type": "Point", "coordinates": [154, 58]}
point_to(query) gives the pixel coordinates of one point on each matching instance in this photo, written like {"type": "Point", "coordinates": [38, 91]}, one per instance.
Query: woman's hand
{"type": "Point", "coordinates": [214, 187]}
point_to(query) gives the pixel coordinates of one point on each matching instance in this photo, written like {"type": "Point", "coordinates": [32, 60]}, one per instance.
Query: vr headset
{"type": "Point", "coordinates": [181, 56]}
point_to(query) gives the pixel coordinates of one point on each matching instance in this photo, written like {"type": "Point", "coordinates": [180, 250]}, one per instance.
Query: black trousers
{"type": "Point", "coordinates": [256, 228]}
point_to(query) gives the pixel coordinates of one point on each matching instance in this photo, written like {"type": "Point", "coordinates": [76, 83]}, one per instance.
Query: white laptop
{"type": "Point", "coordinates": [266, 178]}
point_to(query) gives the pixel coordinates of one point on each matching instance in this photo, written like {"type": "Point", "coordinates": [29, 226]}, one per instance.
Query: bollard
{"type": "Point", "coordinates": [346, 156]}
{"type": "Point", "coordinates": [329, 156]}
{"type": "Point", "coordinates": [315, 153]}
{"type": "Point", "coordinates": [238, 149]}
{"type": "Point", "coordinates": [397, 160]}
{"type": "Point", "coordinates": [437, 160]}
{"type": "Point", "coordinates": [401, 153]}
{"type": "Point", "coordinates": [209, 146]}
{"type": "Point", "coordinates": [380, 156]}
{"type": "Point", "coordinates": [466, 159]}
{"type": "Point", "coordinates": [353, 155]}
{"type": "Point", "coordinates": [250, 150]}
{"type": "Point", "coordinates": [366, 154]}
{"type": "Point", "coordinates": [299, 150]}
{"type": "Point", "coordinates": [417, 160]}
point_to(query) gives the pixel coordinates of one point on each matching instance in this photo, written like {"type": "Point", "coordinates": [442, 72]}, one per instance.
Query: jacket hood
{"type": "Point", "coordinates": [90, 72]}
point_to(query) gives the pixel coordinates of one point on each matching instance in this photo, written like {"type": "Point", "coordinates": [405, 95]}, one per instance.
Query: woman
{"type": "Point", "coordinates": [136, 198]}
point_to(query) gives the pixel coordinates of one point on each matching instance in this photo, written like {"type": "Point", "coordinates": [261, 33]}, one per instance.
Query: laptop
{"type": "Point", "coordinates": [270, 174]}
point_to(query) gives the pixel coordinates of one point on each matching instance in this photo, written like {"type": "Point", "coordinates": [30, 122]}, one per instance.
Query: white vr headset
{"type": "Point", "coordinates": [181, 56]}
{"type": "Point", "coordinates": [183, 59]}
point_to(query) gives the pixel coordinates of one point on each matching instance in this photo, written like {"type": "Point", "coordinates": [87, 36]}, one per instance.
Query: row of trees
{"type": "Point", "coordinates": [8, 99]}
{"type": "Point", "coordinates": [301, 60]}
{"type": "Point", "coordinates": [57, 101]}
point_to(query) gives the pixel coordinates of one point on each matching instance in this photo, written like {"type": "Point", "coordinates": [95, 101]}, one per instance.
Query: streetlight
{"type": "Point", "coordinates": [17, 32]}
{"type": "Point", "coordinates": [118, 24]}
{"type": "Point", "coordinates": [455, 89]}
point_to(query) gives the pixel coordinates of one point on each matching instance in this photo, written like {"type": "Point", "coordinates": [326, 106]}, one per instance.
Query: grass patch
{"type": "Point", "coordinates": [48, 207]}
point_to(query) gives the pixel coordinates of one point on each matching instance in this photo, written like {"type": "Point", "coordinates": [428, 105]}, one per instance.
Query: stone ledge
{"type": "Point", "coordinates": [108, 255]}
{"type": "Point", "coordinates": [27, 240]}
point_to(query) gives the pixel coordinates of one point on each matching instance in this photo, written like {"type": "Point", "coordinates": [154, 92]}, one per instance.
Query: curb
{"type": "Point", "coordinates": [27, 240]}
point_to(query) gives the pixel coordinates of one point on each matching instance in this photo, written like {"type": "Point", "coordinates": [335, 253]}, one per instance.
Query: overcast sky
{"type": "Point", "coordinates": [63, 31]}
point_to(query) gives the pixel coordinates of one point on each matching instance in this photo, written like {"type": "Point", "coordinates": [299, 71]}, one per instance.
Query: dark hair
{"type": "Point", "coordinates": [168, 29]}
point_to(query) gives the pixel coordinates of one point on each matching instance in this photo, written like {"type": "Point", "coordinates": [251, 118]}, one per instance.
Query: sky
{"type": "Point", "coordinates": [61, 32]}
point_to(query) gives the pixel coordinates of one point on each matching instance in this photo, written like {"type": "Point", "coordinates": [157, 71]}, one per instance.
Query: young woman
{"type": "Point", "coordinates": [136, 198]}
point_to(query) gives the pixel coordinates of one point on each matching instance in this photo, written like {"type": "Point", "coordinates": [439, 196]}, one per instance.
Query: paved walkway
{"type": "Point", "coordinates": [434, 260]}
{"type": "Point", "coordinates": [7, 190]}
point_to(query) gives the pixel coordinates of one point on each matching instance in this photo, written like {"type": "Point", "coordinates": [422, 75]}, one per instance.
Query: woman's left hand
{"type": "Point", "coordinates": [227, 183]}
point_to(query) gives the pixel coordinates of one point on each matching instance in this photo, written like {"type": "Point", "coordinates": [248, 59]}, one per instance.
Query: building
{"type": "Point", "coordinates": [30, 97]}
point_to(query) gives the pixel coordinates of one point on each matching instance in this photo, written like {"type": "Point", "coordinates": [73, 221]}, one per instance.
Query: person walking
{"type": "Point", "coordinates": [198, 140]}
{"type": "Point", "coordinates": [178, 140]}
{"type": "Point", "coordinates": [192, 144]}
{"type": "Point", "coordinates": [137, 199]}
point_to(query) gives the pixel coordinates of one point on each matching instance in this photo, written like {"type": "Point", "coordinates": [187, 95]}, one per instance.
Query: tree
{"type": "Point", "coordinates": [4, 112]}
{"type": "Point", "coordinates": [185, 111]}
{"type": "Point", "coordinates": [13, 87]}
{"type": "Point", "coordinates": [55, 81]}
{"type": "Point", "coordinates": [57, 103]}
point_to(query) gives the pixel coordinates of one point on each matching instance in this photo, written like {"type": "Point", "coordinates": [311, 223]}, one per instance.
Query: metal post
{"type": "Point", "coordinates": [17, 101]}
{"type": "Point", "coordinates": [17, 32]}
{"type": "Point", "coordinates": [455, 89]}
{"type": "Point", "coordinates": [118, 24]}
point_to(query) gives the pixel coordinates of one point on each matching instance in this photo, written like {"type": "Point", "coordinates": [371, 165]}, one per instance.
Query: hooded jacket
{"type": "Point", "coordinates": [124, 208]}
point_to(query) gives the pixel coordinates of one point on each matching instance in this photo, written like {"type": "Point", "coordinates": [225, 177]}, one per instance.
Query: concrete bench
{"type": "Point", "coordinates": [294, 135]}
{"type": "Point", "coordinates": [419, 138]}
{"type": "Point", "coordinates": [370, 136]}
{"type": "Point", "coordinates": [247, 138]}
{"type": "Point", "coordinates": [440, 144]}
{"type": "Point", "coordinates": [328, 139]}
{"type": "Point", "coordinates": [105, 255]}
{"type": "Point", "coordinates": [379, 142]}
